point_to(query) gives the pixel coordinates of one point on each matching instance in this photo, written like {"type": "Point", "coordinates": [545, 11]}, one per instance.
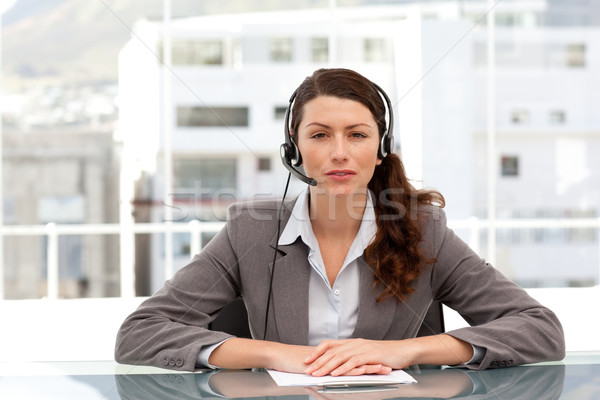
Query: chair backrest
{"type": "Point", "coordinates": [433, 323]}
{"type": "Point", "coordinates": [233, 319]}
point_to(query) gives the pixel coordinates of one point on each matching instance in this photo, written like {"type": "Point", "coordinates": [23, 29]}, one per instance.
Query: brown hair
{"type": "Point", "coordinates": [394, 254]}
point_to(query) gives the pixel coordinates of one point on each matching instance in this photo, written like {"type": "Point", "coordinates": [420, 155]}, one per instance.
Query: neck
{"type": "Point", "coordinates": [336, 215]}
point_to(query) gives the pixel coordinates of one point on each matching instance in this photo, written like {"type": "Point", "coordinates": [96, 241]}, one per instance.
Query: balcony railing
{"type": "Point", "coordinates": [195, 228]}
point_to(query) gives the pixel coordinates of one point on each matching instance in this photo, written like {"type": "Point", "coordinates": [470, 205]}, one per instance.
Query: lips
{"type": "Point", "coordinates": [340, 173]}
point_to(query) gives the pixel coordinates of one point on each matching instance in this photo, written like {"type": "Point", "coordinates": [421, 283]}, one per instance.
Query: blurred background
{"type": "Point", "coordinates": [129, 126]}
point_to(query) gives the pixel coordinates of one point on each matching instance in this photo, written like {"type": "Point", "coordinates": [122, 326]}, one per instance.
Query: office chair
{"type": "Point", "coordinates": [233, 319]}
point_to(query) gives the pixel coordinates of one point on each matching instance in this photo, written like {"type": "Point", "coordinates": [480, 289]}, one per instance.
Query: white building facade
{"type": "Point", "coordinates": [231, 78]}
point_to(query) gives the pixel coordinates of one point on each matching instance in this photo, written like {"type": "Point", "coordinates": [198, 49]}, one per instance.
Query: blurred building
{"type": "Point", "coordinates": [61, 175]}
{"type": "Point", "coordinates": [232, 76]}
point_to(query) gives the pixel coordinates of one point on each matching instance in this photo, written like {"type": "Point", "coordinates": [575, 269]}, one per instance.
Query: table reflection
{"type": "Point", "coordinates": [529, 382]}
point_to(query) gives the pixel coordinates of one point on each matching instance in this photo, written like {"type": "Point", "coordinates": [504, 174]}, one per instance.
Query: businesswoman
{"type": "Point", "coordinates": [338, 280]}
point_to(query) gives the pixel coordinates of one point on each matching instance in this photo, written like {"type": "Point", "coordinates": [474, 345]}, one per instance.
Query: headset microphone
{"type": "Point", "coordinates": [283, 150]}
{"type": "Point", "coordinates": [289, 152]}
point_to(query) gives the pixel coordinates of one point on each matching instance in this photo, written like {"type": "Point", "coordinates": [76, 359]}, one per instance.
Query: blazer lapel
{"type": "Point", "coordinates": [291, 275]}
{"type": "Point", "coordinates": [290, 293]}
{"type": "Point", "coordinates": [374, 319]}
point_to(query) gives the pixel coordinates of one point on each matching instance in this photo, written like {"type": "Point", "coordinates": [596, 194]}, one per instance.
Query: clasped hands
{"type": "Point", "coordinates": [355, 357]}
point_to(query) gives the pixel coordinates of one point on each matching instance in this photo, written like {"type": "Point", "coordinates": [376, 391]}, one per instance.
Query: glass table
{"type": "Point", "coordinates": [576, 377]}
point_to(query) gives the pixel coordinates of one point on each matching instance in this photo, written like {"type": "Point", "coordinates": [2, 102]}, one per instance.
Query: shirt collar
{"type": "Point", "coordinates": [299, 226]}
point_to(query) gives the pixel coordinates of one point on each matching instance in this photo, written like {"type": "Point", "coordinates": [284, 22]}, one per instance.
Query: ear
{"type": "Point", "coordinates": [379, 161]}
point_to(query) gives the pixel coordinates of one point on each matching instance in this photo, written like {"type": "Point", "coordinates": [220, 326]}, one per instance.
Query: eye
{"type": "Point", "coordinates": [318, 135]}
{"type": "Point", "coordinates": [358, 135]}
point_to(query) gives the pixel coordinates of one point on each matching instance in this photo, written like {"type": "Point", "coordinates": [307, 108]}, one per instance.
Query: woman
{"type": "Point", "coordinates": [359, 258]}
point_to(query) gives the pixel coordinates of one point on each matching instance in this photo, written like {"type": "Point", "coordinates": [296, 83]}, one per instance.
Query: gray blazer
{"type": "Point", "coordinates": [168, 329]}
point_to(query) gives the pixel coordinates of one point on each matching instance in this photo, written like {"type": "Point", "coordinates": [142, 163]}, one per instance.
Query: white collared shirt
{"type": "Point", "coordinates": [332, 311]}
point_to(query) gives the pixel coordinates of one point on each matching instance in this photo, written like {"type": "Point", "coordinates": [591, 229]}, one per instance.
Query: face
{"type": "Point", "coordinates": [338, 140]}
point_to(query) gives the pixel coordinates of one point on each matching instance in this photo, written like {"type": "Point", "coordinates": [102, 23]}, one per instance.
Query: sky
{"type": "Point", "coordinates": [6, 4]}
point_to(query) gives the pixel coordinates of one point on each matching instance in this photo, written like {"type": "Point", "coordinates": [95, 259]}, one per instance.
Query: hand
{"type": "Point", "coordinates": [355, 357]}
{"type": "Point", "coordinates": [288, 358]}
{"type": "Point", "coordinates": [240, 353]}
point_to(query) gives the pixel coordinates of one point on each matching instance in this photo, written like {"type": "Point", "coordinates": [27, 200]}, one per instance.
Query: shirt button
{"type": "Point", "coordinates": [336, 292]}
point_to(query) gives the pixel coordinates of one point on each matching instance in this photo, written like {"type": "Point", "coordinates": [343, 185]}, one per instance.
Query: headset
{"type": "Point", "coordinates": [290, 154]}
{"type": "Point", "coordinates": [291, 159]}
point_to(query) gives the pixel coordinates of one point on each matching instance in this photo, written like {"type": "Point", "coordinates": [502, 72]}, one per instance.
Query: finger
{"type": "Point", "coordinates": [348, 369]}
{"type": "Point", "coordinates": [368, 369]}
{"type": "Point", "coordinates": [320, 362]}
{"type": "Point", "coordinates": [385, 370]}
{"type": "Point", "coordinates": [323, 347]}
{"type": "Point", "coordinates": [339, 364]}
{"type": "Point", "coordinates": [323, 354]}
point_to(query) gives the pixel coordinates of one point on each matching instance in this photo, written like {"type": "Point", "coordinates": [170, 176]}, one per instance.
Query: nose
{"type": "Point", "coordinates": [340, 149]}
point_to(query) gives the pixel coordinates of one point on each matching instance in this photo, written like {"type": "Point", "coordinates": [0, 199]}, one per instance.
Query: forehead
{"type": "Point", "coordinates": [331, 108]}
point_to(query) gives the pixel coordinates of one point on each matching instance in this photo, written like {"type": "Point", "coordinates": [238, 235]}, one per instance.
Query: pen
{"type": "Point", "coordinates": [350, 384]}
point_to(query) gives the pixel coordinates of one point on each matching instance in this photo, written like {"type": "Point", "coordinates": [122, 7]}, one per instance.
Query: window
{"type": "Point", "coordinates": [279, 112]}
{"type": "Point", "coordinates": [281, 49]}
{"type": "Point", "coordinates": [575, 55]}
{"type": "Point", "coordinates": [65, 210]}
{"type": "Point", "coordinates": [203, 177]}
{"type": "Point", "coordinates": [509, 165]}
{"type": "Point", "coordinates": [505, 19]}
{"type": "Point", "coordinates": [9, 210]}
{"type": "Point", "coordinates": [182, 242]}
{"type": "Point", "coordinates": [264, 164]}
{"type": "Point", "coordinates": [556, 117]}
{"type": "Point", "coordinates": [516, 54]}
{"type": "Point", "coordinates": [212, 116]}
{"type": "Point", "coordinates": [61, 209]}
{"type": "Point", "coordinates": [320, 49]}
{"type": "Point", "coordinates": [197, 52]}
{"type": "Point", "coordinates": [375, 50]}
{"type": "Point", "coordinates": [519, 116]}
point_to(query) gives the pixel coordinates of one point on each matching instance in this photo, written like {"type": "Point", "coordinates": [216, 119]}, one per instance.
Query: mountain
{"type": "Point", "coordinates": [77, 41]}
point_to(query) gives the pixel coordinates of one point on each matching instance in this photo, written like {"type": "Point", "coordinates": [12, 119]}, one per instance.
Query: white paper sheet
{"type": "Point", "coordinates": [289, 379]}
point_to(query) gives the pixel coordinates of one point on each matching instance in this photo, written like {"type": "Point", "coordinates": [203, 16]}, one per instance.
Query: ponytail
{"type": "Point", "coordinates": [394, 254]}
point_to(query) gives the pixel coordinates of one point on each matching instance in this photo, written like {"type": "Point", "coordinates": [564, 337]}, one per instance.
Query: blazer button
{"type": "Point", "coordinates": [494, 364]}
{"type": "Point", "coordinates": [179, 362]}
{"type": "Point", "coordinates": [172, 362]}
{"type": "Point", "coordinates": [509, 362]}
{"type": "Point", "coordinates": [503, 363]}
{"type": "Point", "coordinates": [166, 361]}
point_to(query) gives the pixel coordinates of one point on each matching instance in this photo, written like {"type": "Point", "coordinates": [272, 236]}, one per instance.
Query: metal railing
{"type": "Point", "coordinates": [195, 228]}
{"type": "Point", "coordinates": [52, 231]}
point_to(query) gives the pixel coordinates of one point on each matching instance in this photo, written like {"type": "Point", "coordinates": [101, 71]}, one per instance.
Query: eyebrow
{"type": "Point", "coordinates": [348, 127]}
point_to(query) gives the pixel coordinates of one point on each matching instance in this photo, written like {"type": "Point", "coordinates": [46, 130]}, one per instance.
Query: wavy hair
{"type": "Point", "coordinates": [394, 254]}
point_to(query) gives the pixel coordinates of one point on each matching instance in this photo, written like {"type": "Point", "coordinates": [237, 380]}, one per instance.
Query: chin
{"type": "Point", "coordinates": [344, 191]}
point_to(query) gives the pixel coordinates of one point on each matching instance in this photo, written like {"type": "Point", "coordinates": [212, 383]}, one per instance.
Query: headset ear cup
{"type": "Point", "coordinates": [297, 157]}
{"type": "Point", "coordinates": [290, 154]}
{"type": "Point", "coordinates": [382, 152]}
{"type": "Point", "coordinates": [386, 146]}
{"type": "Point", "coordinates": [389, 144]}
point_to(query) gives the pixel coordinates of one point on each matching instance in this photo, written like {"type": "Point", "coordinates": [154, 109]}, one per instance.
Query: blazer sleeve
{"type": "Point", "coordinates": [512, 326]}
{"type": "Point", "coordinates": [169, 329]}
